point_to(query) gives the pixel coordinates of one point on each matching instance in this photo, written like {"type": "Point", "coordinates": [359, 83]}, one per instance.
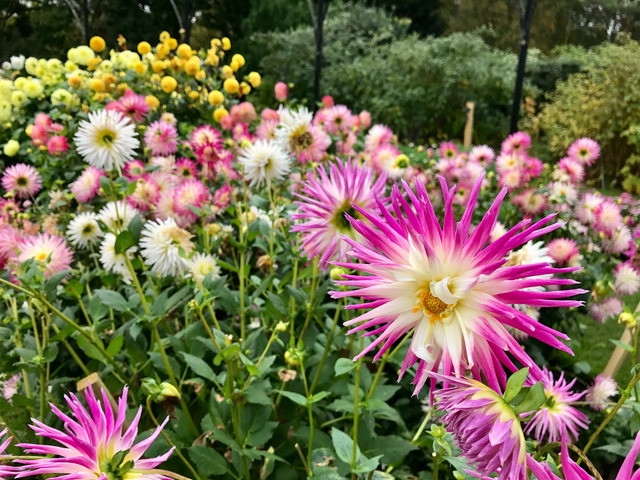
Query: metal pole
{"type": "Point", "coordinates": [85, 11]}
{"type": "Point", "coordinates": [322, 7]}
{"type": "Point", "coordinates": [526, 17]}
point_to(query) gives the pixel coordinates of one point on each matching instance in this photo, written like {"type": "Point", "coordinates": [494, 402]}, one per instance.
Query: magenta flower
{"type": "Point", "coordinates": [517, 143]}
{"type": "Point", "coordinates": [132, 105]}
{"type": "Point", "coordinates": [584, 150]}
{"type": "Point", "coordinates": [23, 180]}
{"type": "Point", "coordinates": [378, 135]}
{"type": "Point", "coordinates": [324, 202]}
{"type": "Point", "coordinates": [92, 444]}
{"type": "Point", "coordinates": [563, 250]}
{"type": "Point", "coordinates": [572, 471]}
{"type": "Point", "coordinates": [448, 150]}
{"type": "Point", "coordinates": [485, 427]}
{"type": "Point", "coordinates": [57, 145]}
{"type": "Point", "coordinates": [482, 154]}
{"type": "Point", "coordinates": [627, 279]}
{"type": "Point", "coordinates": [5, 470]}
{"type": "Point", "coordinates": [450, 286]}
{"type": "Point", "coordinates": [557, 416]}
{"type": "Point", "coordinates": [281, 91]}
{"type": "Point", "coordinates": [161, 138]}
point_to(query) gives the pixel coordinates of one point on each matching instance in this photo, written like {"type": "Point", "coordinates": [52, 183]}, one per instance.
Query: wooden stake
{"type": "Point", "coordinates": [468, 127]}
{"type": "Point", "coordinates": [96, 384]}
{"type": "Point", "coordinates": [617, 357]}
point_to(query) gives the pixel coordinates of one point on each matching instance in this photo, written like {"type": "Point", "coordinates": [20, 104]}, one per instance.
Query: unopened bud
{"type": "Point", "coordinates": [337, 273]}
{"type": "Point", "coordinates": [628, 319]}
{"type": "Point", "coordinates": [228, 340]}
{"type": "Point", "coordinates": [281, 326]}
{"type": "Point", "coordinates": [169, 391]}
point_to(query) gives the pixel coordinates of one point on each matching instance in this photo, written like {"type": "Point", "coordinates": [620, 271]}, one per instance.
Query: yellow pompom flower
{"type": "Point", "coordinates": [18, 98]}
{"type": "Point", "coordinates": [168, 84]}
{"type": "Point", "coordinates": [201, 75]}
{"type": "Point", "coordinates": [152, 101]}
{"type": "Point", "coordinates": [93, 63]}
{"type": "Point", "coordinates": [254, 79]}
{"type": "Point", "coordinates": [226, 43]}
{"type": "Point", "coordinates": [109, 79]}
{"type": "Point", "coordinates": [122, 88]}
{"type": "Point", "coordinates": [144, 48]}
{"type": "Point", "coordinates": [5, 111]}
{"type": "Point", "coordinates": [83, 54]}
{"type": "Point", "coordinates": [219, 113]}
{"type": "Point", "coordinates": [97, 85]}
{"type": "Point", "coordinates": [227, 72]}
{"type": "Point", "coordinates": [140, 67]}
{"type": "Point", "coordinates": [162, 50]}
{"type": "Point", "coordinates": [234, 65]}
{"type": "Point", "coordinates": [32, 88]}
{"type": "Point", "coordinates": [184, 50]}
{"type": "Point", "coordinates": [28, 130]}
{"type": "Point", "coordinates": [63, 96]}
{"type": "Point", "coordinates": [172, 43]}
{"type": "Point", "coordinates": [11, 148]}
{"type": "Point", "coordinates": [216, 98]}
{"type": "Point", "coordinates": [164, 36]}
{"type": "Point", "coordinates": [231, 86]}
{"type": "Point", "coordinates": [158, 66]}
{"type": "Point", "coordinates": [212, 58]}
{"type": "Point", "coordinates": [194, 95]}
{"type": "Point", "coordinates": [30, 65]}
{"type": "Point", "coordinates": [69, 66]}
{"type": "Point", "coordinates": [75, 80]}
{"type": "Point", "coordinates": [239, 59]}
{"type": "Point", "coordinates": [192, 66]}
{"type": "Point", "coordinates": [245, 88]}
{"type": "Point", "coordinates": [19, 82]}
{"type": "Point", "coordinates": [5, 87]}
{"type": "Point", "coordinates": [97, 43]}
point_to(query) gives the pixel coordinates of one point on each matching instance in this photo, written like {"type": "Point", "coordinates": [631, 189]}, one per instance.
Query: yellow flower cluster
{"type": "Point", "coordinates": [95, 73]}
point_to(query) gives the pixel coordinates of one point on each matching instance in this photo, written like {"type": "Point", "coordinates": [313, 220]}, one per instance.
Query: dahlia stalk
{"type": "Point", "coordinates": [92, 444]}
{"type": "Point", "coordinates": [449, 287]}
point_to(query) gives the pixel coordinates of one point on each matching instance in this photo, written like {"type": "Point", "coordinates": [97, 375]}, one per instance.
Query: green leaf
{"type": "Point", "coordinates": [515, 384]}
{"type": "Point", "coordinates": [52, 284]}
{"type": "Point", "coordinates": [394, 448]}
{"type": "Point", "coordinates": [135, 227]}
{"type": "Point", "coordinates": [74, 287]}
{"type": "Point", "coordinates": [365, 465]}
{"type": "Point", "coordinates": [199, 366]}
{"type": "Point", "coordinates": [115, 345]}
{"type": "Point", "coordinates": [343, 445]}
{"type": "Point", "coordinates": [624, 345]}
{"type": "Point", "coordinates": [294, 397]}
{"type": "Point", "coordinates": [319, 396]}
{"type": "Point", "coordinates": [208, 460]}
{"type": "Point", "coordinates": [226, 354]}
{"type": "Point", "coordinates": [124, 241]}
{"type": "Point", "coordinates": [534, 398]}
{"type": "Point", "coordinates": [113, 299]}
{"type": "Point", "coordinates": [50, 353]}
{"type": "Point", "coordinates": [343, 365]}
{"type": "Point", "coordinates": [258, 392]}
{"type": "Point", "coordinates": [278, 303]}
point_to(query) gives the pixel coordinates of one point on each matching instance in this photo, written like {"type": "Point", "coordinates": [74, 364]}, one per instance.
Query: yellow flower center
{"type": "Point", "coordinates": [432, 306]}
{"type": "Point", "coordinates": [106, 137]}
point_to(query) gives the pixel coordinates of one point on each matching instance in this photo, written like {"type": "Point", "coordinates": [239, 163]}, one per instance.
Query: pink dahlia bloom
{"type": "Point", "coordinates": [338, 119]}
{"type": "Point", "coordinates": [281, 91]}
{"type": "Point", "coordinates": [57, 145]}
{"type": "Point", "coordinates": [146, 195]}
{"type": "Point", "coordinates": [586, 208]}
{"type": "Point", "coordinates": [190, 193]}
{"type": "Point", "coordinates": [94, 443]}
{"type": "Point", "coordinates": [205, 135]}
{"type": "Point", "coordinates": [244, 112]}
{"type": "Point", "coordinates": [377, 136]}
{"type": "Point", "coordinates": [186, 168]}
{"type": "Point", "coordinates": [600, 393]}
{"type": "Point", "coordinates": [23, 180]}
{"type": "Point", "coordinates": [584, 150]}
{"type": "Point", "coordinates": [482, 154]}
{"type": "Point", "coordinates": [327, 101]}
{"type": "Point", "coordinates": [448, 285]}
{"type": "Point", "coordinates": [572, 471]}
{"type": "Point", "coordinates": [132, 105]}
{"type": "Point", "coordinates": [448, 150]}
{"type": "Point", "coordinates": [603, 311]}
{"type": "Point", "coordinates": [267, 130]}
{"type": "Point", "coordinates": [325, 201]}
{"type": "Point", "coordinates": [49, 249]}
{"type": "Point", "coordinates": [87, 184]}
{"type": "Point", "coordinates": [557, 417]}
{"type": "Point", "coordinates": [5, 470]}
{"type": "Point", "coordinates": [619, 241]}
{"type": "Point", "coordinates": [516, 143]}
{"type": "Point", "coordinates": [572, 169]}
{"type": "Point", "coordinates": [485, 428]}
{"type": "Point", "coordinates": [608, 217]}
{"type": "Point", "coordinates": [134, 170]}
{"type": "Point", "coordinates": [530, 202]}
{"type": "Point", "coordinates": [563, 250]}
{"type": "Point", "coordinates": [161, 138]}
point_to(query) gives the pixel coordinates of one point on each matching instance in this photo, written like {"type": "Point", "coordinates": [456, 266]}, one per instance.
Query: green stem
{"type": "Point", "coordinates": [327, 347]}
{"type": "Point", "coordinates": [242, 293]}
{"type": "Point", "coordinates": [385, 357]}
{"type": "Point", "coordinates": [623, 397]}
{"type": "Point", "coordinates": [356, 418]}
{"type": "Point", "coordinates": [72, 352]}
{"type": "Point", "coordinates": [422, 426]}
{"type": "Point", "coordinates": [166, 437]}
{"type": "Point", "coordinates": [314, 284]}
{"type": "Point", "coordinates": [292, 300]}
{"type": "Point", "coordinates": [310, 413]}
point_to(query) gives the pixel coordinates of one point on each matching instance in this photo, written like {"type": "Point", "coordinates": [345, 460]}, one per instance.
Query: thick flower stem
{"type": "Point", "coordinates": [623, 398]}
{"type": "Point", "coordinates": [314, 285]}
{"type": "Point", "coordinates": [242, 293]}
{"type": "Point", "coordinates": [385, 358]}
{"type": "Point", "coordinates": [310, 413]}
{"type": "Point", "coordinates": [356, 400]}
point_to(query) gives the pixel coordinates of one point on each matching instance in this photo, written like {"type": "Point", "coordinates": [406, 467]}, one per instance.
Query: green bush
{"type": "Point", "coordinates": [418, 86]}
{"type": "Point", "coordinates": [601, 102]}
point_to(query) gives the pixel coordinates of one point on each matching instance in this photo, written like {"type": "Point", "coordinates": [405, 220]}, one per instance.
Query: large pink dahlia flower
{"type": "Point", "coordinates": [449, 286]}
{"type": "Point", "coordinates": [323, 203]}
{"type": "Point", "coordinates": [92, 445]}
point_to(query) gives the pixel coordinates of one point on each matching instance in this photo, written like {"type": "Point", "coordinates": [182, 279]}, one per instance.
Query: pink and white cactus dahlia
{"type": "Point", "coordinates": [92, 445]}
{"type": "Point", "coordinates": [449, 286]}
{"type": "Point", "coordinates": [557, 416]}
{"type": "Point", "coordinates": [5, 470]}
{"type": "Point", "coordinates": [324, 202]}
{"type": "Point", "coordinates": [485, 428]}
